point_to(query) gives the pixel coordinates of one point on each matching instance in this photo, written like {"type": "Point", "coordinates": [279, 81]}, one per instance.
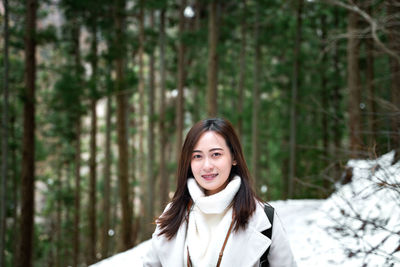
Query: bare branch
{"type": "Point", "coordinates": [374, 25]}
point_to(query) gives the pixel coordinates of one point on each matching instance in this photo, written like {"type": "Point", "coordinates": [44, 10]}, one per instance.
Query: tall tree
{"type": "Point", "coordinates": [212, 73]}
{"type": "Point", "coordinates": [77, 127]}
{"type": "Point", "coordinates": [150, 138]}
{"type": "Point", "coordinates": [92, 164]}
{"type": "Point", "coordinates": [369, 77]}
{"type": "Point", "coordinates": [140, 120]}
{"type": "Point", "coordinates": [336, 99]}
{"type": "Point", "coordinates": [4, 139]}
{"type": "Point", "coordinates": [393, 10]}
{"type": "Point", "coordinates": [255, 152]}
{"type": "Point", "coordinates": [242, 68]}
{"type": "Point", "coordinates": [28, 141]}
{"type": "Point", "coordinates": [107, 186]}
{"type": "Point", "coordinates": [123, 172]}
{"type": "Point", "coordinates": [353, 84]}
{"type": "Point", "coordinates": [164, 178]}
{"type": "Point", "coordinates": [181, 79]}
{"type": "Point", "coordinates": [324, 96]}
{"type": "Point", "coordinates": [294, 98]}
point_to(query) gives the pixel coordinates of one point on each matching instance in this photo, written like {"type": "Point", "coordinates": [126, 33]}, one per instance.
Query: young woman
{"type": "Point", "coordinates": [215, 218]}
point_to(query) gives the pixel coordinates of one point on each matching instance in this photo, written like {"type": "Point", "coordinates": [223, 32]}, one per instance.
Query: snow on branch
{"type": "Point", "coordinates": [364, 214]}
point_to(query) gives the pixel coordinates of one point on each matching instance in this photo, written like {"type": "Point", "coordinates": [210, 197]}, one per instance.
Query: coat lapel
{"type": "Point", "coordinates": [170, 252]}
{"type": "Point", "coordinates": [246, 247]}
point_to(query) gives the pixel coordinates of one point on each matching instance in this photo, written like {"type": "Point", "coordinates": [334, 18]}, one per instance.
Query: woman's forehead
{"type": "Point", "coordinates": [210, 140]}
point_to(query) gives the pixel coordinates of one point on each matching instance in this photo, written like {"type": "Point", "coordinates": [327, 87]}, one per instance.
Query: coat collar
{"type": "Point", "coordinates": [244, 248]}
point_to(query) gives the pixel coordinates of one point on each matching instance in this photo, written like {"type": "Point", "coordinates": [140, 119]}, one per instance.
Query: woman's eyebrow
{"type": "Point", "coordinates": [212, 149]}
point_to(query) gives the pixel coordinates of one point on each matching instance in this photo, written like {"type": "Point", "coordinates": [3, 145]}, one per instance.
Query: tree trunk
{"type": "Point", "coordinates": [58, 228]}
{"type": "Point", "coordinates": [123, 172]}
{"type": "Point", "coordinates": [107, 191]}
{"type": "Point", "coordinates": [242, 70]}
{"type": "Point", "coordinates": [150, 142]}
{"type": "Point", "coordinates": [181, 82]}
{"type": "Point", "coordinates": [393, 10]}
{"type": "Point", "coordinates": [15, 185]}
{"type": "Point", "coordinates": [195, 26]}
{"type": "Point", "coordinates": [77, 199]}
{"type": "Point", "coordinates": [255, 152]}
{"type": "Point", "coordinates": [324, 101]}
{"type": "Point", "coordinates": [353, 85]}
{"type": "Point", "coordinates": [212, 75]}
{"type": "Point", "coordinates": [336, 100]}
{"type": "Point", "coordinates": [371, 106]}
{"type": "Point", "coordinates": [164, 178]}
{"type": "Point", "coordinates": [4, 139]}
{"type": "Point", "coordinates": [294, 100]}
{"type": "Point", "coordinates": [92, 163]}
{"type": "Point", "coordinates": [28, 141]}
{"type": "Point", "coordinates": [140, 120]}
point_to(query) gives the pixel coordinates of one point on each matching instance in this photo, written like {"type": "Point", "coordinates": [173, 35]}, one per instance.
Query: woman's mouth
{"type": "Point", "coordinates": [209, 176]}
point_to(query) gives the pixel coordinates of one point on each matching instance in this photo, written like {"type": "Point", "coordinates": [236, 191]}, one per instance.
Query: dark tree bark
{"type": "Point", "coordinates": [181, 81]}
{"type": "Point", "coordinates": [354, 85]}
{"type": "Point", "coordinates": [15, 184]}
{"type": "Point", "coordinates": [123, 171]}
{"type": "Point", "coordinates": [255, 152]}
{"type": "Point", "coordinates": [393, 10]}
{"type": "Point", "coordinates": [107, 185]}
{"type": "Point", "coordinates": [92, 163]}
{"type": "Point", "coordinates": [242, 70]}
{"type": "Point", "coordinates": [140, 121]}
{"type": "Point", "coordinates": [336, 99]}
{"type": "Point", "coordinates": [77, 199]}
{"type": "Point", "coordinates": [324, 99]}
{"type": "Point", "coordinates": [212, 75]}
{"type": "Point", "coordinates": [164, 178]}
{"type": "Point", "coordinates": [28, 141]}
{"type": "Point", "coordinates": [4, 140]}
{"type": "Point", "coordinates": [294, 100]}
{"type": "Point", "coordinates": [150, 141]}
{"type": "Point", "coordinates": [58, 226]}
{"type": "Point", "coordinates": [369, 76]}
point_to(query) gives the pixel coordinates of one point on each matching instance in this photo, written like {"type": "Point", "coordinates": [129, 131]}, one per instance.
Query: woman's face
{"type": "Point", "coordinates": [211, 162]}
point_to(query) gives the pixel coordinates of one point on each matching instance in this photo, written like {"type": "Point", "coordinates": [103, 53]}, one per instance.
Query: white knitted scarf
{"type": "Point", "coordinates": [209, 221]}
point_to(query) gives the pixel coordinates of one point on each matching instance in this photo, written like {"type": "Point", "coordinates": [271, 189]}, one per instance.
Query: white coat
{"type": "Point", "coordinates": [243, 249]}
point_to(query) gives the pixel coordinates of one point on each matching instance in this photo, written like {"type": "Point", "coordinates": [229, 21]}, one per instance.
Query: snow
{"type": "Point", "coordinates": [333, 232]}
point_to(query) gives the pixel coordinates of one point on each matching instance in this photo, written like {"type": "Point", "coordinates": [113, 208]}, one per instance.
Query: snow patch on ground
{"type": "Point", "coordinates": [318, 230]}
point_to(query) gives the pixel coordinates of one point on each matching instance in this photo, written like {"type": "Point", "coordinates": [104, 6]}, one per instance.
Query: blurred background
{"type": "Point", "coordinates": [97, 97]}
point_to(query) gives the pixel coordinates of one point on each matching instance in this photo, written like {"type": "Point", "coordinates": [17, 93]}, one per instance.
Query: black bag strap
{"type": "Point", "coordinates": [269, 211]}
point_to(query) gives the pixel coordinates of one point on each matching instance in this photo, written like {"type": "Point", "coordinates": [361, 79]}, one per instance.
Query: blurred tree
{"type": "Point", "coordinates": [164, 178]}
{"type": "Point", "coordinates": [354, 85]}
{"type": "Point", "coordinates": [255, 151]}
{"type": "Point", "coordinates": [294, 99]}
{"type": "Point", "coordinates": [181, 80]}
{"type": "Point", "coordinates": [393, 15]}
{"type": "Point", "coordinates": [123, 168]}
{"type": "Point", "coordinates": [212, 71]}
{"type": "Point", "coordinates": [4, 138]}
{"type": "Point", "coordinates": [242, 67]}
{"type": "Point", "coordinates": [28, 155]}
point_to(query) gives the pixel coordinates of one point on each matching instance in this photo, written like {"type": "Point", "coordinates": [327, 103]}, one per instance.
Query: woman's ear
{"type": "Point", "coordinates": [234, 163]}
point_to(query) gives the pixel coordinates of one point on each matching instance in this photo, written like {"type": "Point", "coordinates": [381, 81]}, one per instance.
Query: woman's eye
{"type": "Point", "coordinates": [216, 154]}
{"type": "Point", "coordinates": [196, 156]}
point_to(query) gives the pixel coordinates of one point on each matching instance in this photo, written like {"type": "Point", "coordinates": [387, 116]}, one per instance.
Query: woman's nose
{"type": "Point", "coordinates": [207, 164]}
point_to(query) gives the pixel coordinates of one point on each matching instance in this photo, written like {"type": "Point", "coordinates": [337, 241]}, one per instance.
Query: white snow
{"type": "Point", "coordinates": [326, 232]}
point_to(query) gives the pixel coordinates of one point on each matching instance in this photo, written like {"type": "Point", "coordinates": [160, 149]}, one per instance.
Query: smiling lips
{"type": "Point", "coordinates": [209, 176]}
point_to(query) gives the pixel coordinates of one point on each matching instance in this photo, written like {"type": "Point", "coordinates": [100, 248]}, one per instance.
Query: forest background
{"type": "Point", "coordinates": [98, 95]}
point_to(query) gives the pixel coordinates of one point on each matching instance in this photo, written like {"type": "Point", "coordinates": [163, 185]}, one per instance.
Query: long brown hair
{"type": "Point", "coordinates": [244, 203]}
